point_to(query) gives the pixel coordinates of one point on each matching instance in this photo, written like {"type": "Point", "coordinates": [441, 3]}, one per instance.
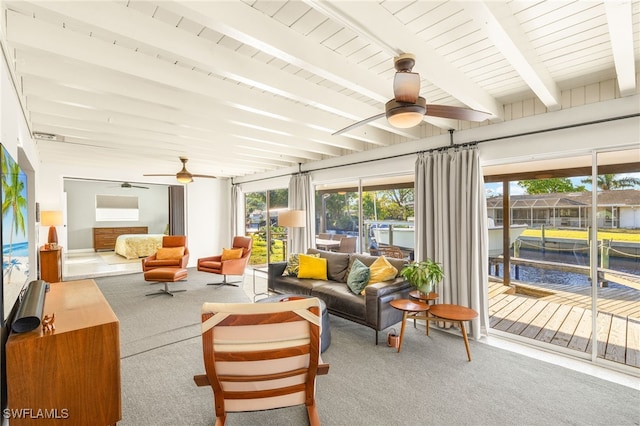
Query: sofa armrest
{"type": "Point", "coordinates": [379, 313]}
{"type": "Point", "coordinates": [275, 270]}
{"type": "Point", "coordinates": [378, 290]}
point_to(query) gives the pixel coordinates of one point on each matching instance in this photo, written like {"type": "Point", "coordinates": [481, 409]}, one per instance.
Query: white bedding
{"type": "Point", "coordinates": [133, 246]}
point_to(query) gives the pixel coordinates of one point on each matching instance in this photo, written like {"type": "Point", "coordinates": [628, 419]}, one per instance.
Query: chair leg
{"type": "Point", "coordinates": [314, 418]}
{"type": "Point", "coordinates": [165, 290]}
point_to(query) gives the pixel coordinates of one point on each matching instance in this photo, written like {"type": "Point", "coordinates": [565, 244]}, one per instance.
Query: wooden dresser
{"type": "Point", "coordinates": [105, 238]}
{"type": "Point", "coordinates": [71, 375]}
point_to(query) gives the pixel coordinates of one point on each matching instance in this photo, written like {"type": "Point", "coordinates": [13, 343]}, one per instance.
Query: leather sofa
{"type": "Point", "coordinates": [371, 309]}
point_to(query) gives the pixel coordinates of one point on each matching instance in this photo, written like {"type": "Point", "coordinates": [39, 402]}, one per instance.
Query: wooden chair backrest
{"type": "Point", "coordinates": [260, 356]}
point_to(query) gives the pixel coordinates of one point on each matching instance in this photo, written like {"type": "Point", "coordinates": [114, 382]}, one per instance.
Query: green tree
{"type": "Point", "coordinates": [549, 186]}
{"type": "Point", "coordinates": [609, 181]}
{"type": "Point", "coordinates": [14, 203]}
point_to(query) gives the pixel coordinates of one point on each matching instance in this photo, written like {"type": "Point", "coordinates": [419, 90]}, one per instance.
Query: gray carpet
{"type": "Point", "coordinates": [429, 383]}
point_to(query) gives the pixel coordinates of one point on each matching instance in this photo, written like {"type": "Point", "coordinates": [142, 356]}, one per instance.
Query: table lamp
{"type": "Point", "coordinates": [51, 218]}
{"type": "Point", "coordinates": [291, 219]}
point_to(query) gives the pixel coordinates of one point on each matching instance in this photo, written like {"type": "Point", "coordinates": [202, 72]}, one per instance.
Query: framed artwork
{"type": "Point", "coordinates": [14, 232]}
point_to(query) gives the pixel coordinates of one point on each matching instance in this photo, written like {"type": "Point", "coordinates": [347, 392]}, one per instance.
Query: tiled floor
{"type": "Point", "coordinates": [88, 264]}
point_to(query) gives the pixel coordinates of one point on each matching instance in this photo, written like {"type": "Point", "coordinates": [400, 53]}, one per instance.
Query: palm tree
{"type": "Point", "coordinates": [609, 182]}
{"type": "Point", "coordinates": [13, 203]}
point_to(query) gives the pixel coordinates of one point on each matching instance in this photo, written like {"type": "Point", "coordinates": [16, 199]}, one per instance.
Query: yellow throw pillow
{"type": "Point", "coordinates": [312, 267]}
{"type": "Point", "coordinates": [229, 254]}
{"type": "Point", "coordinates": [382, 270]}
{"type": "Point", "coordinates": [170, 253]}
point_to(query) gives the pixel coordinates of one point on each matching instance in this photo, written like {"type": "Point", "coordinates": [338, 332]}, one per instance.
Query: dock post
{"type": "Point", "coordinates": [604, 260]}
{"type": "Point", "coordinates": [542, 239]}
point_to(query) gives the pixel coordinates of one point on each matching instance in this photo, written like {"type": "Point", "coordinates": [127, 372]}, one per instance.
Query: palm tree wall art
{"type": "Point", "coordinates": [15, 238]}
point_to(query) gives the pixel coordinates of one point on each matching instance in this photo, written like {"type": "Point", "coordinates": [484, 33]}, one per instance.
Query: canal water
{"type": "Point", "coordinates": [536, 275]}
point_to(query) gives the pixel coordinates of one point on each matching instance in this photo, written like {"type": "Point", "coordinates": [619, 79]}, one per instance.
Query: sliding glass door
{"type": "Point", "coordinates": [261, 224]}
{"type": "Point", "coordinates": [568, 245]}
{"type": "Point", "coordinates": [617, 247]}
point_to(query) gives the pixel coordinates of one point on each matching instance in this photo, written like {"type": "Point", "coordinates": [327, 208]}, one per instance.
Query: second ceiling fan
{"type": "Point", "coordinates": [408, 108]}
{"type": "Point", "coordinates": [184, 175]}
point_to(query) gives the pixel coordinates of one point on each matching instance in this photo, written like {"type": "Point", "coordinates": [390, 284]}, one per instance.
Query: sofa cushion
{"type": "Point", "coordinates": [337, 264]}
{"type": "Point", "coordinates": [368, 260]}
{"type": "Point", "coordinates": [340, 300]}
{"type": "Point", "coordinates": [312, 267]}
{"type": "Point", "coordinates": [358, 277]}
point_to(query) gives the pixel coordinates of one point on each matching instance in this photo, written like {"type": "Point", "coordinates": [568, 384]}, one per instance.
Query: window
{"type": "Point", "coordinates": [111, 208]}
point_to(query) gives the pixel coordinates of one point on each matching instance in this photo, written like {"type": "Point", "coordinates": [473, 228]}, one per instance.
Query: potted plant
{"type": "Point", "coordinates": [424, 275]}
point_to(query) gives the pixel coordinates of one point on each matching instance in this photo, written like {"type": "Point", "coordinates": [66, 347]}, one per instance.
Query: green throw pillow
{"type": "Point", "coordinates": [358, 277]}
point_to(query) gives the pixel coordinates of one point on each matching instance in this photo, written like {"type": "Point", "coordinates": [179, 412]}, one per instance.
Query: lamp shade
{"type": "Point", "coordinates": [292, 218]}
{"type": "Point", "coordinates": [51, 218]}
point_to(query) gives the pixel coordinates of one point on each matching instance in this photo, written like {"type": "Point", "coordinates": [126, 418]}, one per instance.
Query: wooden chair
{"type": "Point", "coordinates": [347, 245]}
{"type": "Point", "coordinates": [324, 236]}
{"type": "Point", "coordinates": [391, 251]}
{"type": "Point", "coordinates": [260, 356]}
{"type": "Point", "coordinates": [232, 266]}
{"type": "Point", "coordinates": [174, 253]}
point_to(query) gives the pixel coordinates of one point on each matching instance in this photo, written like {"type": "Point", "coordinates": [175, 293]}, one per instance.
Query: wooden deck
{"type": "Point", "coordinates": [561, 315]}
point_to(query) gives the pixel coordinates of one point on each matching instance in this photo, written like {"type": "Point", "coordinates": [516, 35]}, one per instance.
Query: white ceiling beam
{"type": "Point", "coordinates": [497, 22]}
{"type": "Point", "coordinates": [212, 136]}
{"type": "Point", "coordinates": [620, 24]}
{"type": "Point", "coordinates": [199, 52]}
{"type": "Point", "coordinates": [120, 94]}
{"type": "Point", "coordinates": [429, 63]}
{"type": "Point", "coordinates": [285, 151]}
{"type": "Point", "coordinates": [250, 26]}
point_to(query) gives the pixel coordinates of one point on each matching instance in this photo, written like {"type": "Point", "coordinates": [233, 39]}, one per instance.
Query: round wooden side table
{"type": "Point", "coordinates": [454, 313]}
{"type": "Point", "coordinates": [429, 299]}
{"type": "Point", "coordinates": [406, 306]}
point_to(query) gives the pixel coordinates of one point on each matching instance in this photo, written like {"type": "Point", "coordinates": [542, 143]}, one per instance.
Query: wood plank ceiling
{"type": "Point", "coordinates": [243, 87]}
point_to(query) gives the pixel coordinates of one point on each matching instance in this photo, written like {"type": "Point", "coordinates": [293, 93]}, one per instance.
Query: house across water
{"type": "Point", "coordinates": [616, 209]}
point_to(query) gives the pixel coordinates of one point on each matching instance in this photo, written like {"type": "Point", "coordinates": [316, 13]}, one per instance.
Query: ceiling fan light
{"type": "Point", "coordinates": [404, 115]}
{"type": "Point", "coordinates": [184, 177]}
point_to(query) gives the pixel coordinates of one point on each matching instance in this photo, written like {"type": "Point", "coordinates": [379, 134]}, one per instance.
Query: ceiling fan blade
{"type": "Point", "coordinates": [141, 187]}
{"type": "Point", "coordinates": [204, 176]}
{"type": "Point", "coordinates": [359, 123]}
{"type": "Point", "coordinates": [406, 86]}
{"type": "Point", "coordinates": [159, 174]}
{"type": "Point", "coordinates": [445, 111]}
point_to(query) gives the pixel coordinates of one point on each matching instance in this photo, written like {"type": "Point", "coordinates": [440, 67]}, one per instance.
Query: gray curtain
{"type": "Point", "coordinates": [451, 227]}
{"type": "Point", "coordinates": [301, 198]}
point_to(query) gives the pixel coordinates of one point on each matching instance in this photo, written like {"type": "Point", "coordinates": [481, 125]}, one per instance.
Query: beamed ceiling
{"type": "Point", "coordinates": [244, 87]}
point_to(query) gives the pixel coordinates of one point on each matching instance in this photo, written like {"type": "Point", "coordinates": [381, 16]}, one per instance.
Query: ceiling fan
{"type": "Point", "coordinates": [127, 185]}
{"type": "Point", "coordinates": [408, 108]}
{"type": "Point", "coordinates": [183, 176]}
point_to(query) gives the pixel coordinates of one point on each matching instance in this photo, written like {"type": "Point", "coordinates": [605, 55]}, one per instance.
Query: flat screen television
{"type": "Point", "coordinates": [14, 232]}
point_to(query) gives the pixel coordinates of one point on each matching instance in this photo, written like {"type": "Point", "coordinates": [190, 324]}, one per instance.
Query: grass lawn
{"type": "Point", "coordinates": [630, 235]}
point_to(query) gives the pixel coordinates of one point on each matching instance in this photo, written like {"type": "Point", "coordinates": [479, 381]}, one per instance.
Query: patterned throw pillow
{"type": "Point", "coordinates": [358, 277]}
{"type": "Point", "coordinates": [293, 264]}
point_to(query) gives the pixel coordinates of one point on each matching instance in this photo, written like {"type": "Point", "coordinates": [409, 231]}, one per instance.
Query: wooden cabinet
{"type": "Point", "coordinates": [105, 238]}
{"type": "Point", "coordinates": [51, 265]}
{"type": "Point", "coordinates": [73, 372]}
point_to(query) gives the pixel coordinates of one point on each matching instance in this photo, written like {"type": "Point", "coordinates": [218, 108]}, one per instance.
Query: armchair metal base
{"type": "Point", "coordinates": [165, 290]}
{"type": "Point", "coordinates": [225, 282]}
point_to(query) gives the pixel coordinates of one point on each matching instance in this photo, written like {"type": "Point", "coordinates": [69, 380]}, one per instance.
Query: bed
{"type": "Point", "coordinates": [133, 246]}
